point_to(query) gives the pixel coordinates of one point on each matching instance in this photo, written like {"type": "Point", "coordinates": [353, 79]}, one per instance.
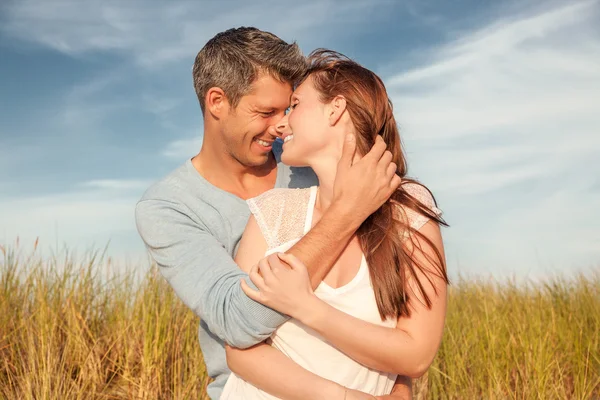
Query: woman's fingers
{"type": "Point", "coordinates": [253, 294]}
{"type": "Point", "coordinates": [256, 278]}
{"type": "Point", "coordinates": [265, 271]}
{"type": "Point", "coordinates": [291, 260]}
{"type": "Point", "coordinates": [275, 263]}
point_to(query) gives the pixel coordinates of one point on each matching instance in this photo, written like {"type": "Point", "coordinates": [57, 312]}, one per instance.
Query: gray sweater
{"type": "Point", "coordinates": [192, 230]}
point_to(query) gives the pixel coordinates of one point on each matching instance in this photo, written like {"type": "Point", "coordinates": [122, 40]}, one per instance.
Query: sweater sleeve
{"type": "Point", "coordinates": [203, 274]}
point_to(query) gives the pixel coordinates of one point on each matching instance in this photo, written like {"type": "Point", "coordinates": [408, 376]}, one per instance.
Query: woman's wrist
{"type": "Point", "coordinates": [329, 390]}
{"type": "Point", "coordinates": [311, 311]}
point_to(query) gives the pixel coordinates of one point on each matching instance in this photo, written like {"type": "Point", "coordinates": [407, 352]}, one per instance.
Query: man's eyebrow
{"type": "Point", "coordinates": [263, 107]}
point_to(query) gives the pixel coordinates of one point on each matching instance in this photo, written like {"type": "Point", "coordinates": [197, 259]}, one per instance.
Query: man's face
{"type": "Point", "coordinates": [248, 130]}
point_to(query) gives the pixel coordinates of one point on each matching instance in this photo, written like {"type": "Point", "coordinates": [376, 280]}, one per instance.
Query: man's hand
{"type": "Point", "coordinates": [362, 187]}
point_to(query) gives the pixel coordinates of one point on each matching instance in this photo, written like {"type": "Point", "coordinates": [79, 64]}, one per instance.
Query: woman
{"type": "Point", "coordinates": [380, 311]}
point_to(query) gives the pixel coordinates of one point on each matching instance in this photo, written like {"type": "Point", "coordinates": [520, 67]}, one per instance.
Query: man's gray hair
{"type": "Point", "coordinates": [233, 59]}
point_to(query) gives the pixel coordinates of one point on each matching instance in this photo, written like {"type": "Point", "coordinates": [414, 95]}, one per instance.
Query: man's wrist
{"type": "Point", "coordinates": [348, 219]}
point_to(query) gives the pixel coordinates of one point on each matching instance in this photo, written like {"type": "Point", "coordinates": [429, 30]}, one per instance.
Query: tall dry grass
{"type": "Point", "coordinates": [516, 341]}
{"type": "Point", "coordinates": [69, 331]}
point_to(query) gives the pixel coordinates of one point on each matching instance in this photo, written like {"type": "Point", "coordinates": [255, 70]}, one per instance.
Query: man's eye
{"type": "Point", "coordinates": [267, 114]}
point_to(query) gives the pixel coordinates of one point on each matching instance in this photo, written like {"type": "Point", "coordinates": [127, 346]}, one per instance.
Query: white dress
{"type": "Point", "coordinates": [284, 216]}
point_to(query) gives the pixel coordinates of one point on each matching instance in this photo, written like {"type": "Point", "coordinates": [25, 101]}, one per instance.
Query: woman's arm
{"type": "Point", "coordinates": [262, 365]}
{"type": "Point", "coordinates": [406, 350]}
{"type": "Point", "coordinates": [266, 367]}
{"type": "Point", "coordinates": [270, 370]}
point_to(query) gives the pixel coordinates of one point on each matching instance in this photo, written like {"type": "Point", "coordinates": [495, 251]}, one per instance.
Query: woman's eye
{"type": "Point", "coordinates": [290, 108]}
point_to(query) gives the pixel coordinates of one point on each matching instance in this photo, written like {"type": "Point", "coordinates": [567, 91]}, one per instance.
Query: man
{"type": "Point", "coordinates": [192, 220]}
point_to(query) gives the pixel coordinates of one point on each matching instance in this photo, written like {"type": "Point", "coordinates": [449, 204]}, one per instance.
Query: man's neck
{"type": "Point", "coordinates": [225, 172]}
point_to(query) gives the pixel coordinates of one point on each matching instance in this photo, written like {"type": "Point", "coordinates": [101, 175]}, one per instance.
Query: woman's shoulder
{"type": "Point", "coordinates": [278, 198]}
{"type": "Point", "coordinates": [280, 213]}
{"type": "Point", "coordinates": [424, 196]}
{"type": "Point", "coordinates": [419, 192]}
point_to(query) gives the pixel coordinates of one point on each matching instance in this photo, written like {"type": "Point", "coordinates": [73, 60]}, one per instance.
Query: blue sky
{"type": "Point", "coordinates": [498, 103]}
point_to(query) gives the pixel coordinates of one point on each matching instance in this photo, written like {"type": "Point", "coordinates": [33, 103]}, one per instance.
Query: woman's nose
{"type": "Point", "coordinates": [282, 126]}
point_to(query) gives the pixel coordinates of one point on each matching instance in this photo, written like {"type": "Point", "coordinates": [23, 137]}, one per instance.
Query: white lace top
{"type": "Point", "coordinates": [284, 216]}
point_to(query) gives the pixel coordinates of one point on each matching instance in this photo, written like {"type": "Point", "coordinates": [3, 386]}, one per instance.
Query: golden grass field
{"type": "Point", "coordinates": [68, 332]}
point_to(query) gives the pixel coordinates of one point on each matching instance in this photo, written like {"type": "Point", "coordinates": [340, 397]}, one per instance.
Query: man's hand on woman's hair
{"type": "Point", "coordinates": [361, 187]}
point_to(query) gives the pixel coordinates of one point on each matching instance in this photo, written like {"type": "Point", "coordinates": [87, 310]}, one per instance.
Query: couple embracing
{"type": "Point", "coordinates": [315, 264]}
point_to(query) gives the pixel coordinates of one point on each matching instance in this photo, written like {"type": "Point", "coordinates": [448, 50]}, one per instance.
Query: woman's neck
{"type": "Point", "coordinates": [326, 172]}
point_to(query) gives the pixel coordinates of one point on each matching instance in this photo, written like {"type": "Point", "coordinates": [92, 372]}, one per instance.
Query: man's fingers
{"type": "Point", "coordinates": [395, 183]}
{"type": "Point", "coordinates": [348, 151]}
{"type": "Point", "coordinates": [391, 170]}
{"type": "Point", "coordinates": [377, 150]}
{"type": "Point", "coordinates": [291, 260]}
{"type": "Point", "coordinates": [385, 160]}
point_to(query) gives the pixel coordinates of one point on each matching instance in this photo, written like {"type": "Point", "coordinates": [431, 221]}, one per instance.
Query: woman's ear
{"type": "Point", "coordinates": [216, 102]}
{"type": "Point", "coordinates": [336, 109]}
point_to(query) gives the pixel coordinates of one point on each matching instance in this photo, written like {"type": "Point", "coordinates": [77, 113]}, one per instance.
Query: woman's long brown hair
{"type": "Point", "coordinates": [383, 235]}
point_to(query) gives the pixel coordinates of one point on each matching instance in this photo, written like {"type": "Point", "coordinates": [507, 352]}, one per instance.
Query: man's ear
{"type": "Point", "coordinates": [216, 102]}
{"type": "Point", "coordinates": [336, 109]}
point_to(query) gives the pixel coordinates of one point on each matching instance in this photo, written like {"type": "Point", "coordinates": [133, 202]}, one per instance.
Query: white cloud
{"type": "Point", "coordinates": [514, 73]}
{"type": "Point", "coordinates": [116, 184]}
{"type": "Point", "coordinates": [89, 218]}
{"type": "Point", "coordinates": [519, 83]}
{"type": "Point", "coordinates": [155, 33]}
{"type": "Point", "coordinates": [509, 115]}
{"type": "Point", "coordinates": [501, 122]}
{"type": "Point", "coordinates": [183, 148]}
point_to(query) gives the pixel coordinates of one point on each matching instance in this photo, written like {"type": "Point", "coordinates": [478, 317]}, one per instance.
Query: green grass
{"type": "Point", "coordinates": [69, 332]}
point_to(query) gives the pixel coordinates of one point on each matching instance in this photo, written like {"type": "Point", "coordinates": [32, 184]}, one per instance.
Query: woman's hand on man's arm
{"type": "Point", "coordinates": [406, 350]}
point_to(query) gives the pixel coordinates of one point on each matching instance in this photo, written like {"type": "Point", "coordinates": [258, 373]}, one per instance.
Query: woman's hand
{"type": "Point", "coordinates": [282, 286]}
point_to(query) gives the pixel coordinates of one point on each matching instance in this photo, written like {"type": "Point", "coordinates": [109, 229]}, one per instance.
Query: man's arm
{"type": "Point", "coordinates": [203, 274]}
{"type": "Point", "coordinates": [206, 278]}
{"type": "Point", "coordinates": [406, 350]}
{"type": "Point", "coordinates": [360, 188]}
{"type": "Point", "coordinates": [269, 369]}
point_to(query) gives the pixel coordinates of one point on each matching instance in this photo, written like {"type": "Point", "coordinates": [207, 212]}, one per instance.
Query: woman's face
{"type": "Point", "coordinates": [306, 131]}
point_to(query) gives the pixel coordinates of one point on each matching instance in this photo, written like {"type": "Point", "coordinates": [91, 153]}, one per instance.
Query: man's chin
{"type": "Point", "coordinates": [257, 160]}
